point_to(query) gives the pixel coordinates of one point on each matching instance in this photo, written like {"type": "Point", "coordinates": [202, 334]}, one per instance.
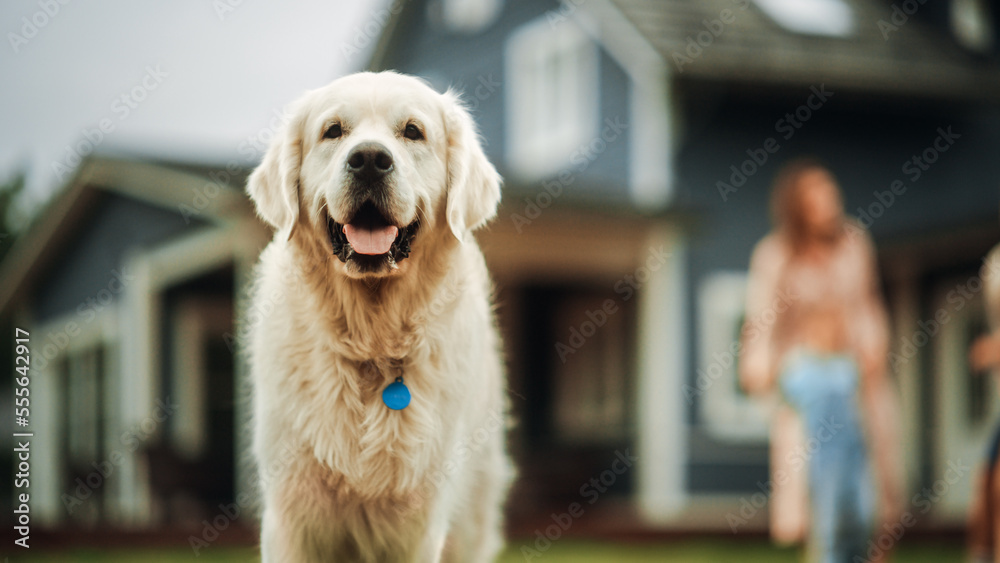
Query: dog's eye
{"type": "Point", "coordinates": [333, 132]}
{"type": "Point", "coordinates": [412, 132]}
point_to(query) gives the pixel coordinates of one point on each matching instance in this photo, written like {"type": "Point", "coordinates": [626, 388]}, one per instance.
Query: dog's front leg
{"type": "Point", "coordinates": [432, 549]}
{"type": "Point", "coordinates": [275, 542]}
{"type": "Point", "coordinates": [273, 548]}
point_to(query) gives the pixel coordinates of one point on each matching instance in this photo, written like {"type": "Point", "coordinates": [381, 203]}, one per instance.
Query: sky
{"type": "Point", "coordinates": [190, 80]}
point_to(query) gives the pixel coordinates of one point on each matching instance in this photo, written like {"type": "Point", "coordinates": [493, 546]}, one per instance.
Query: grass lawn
{"type": "Point", "coordinates": [569, 551]}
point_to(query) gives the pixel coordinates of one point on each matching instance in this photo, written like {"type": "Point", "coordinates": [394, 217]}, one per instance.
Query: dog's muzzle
{"type": "Point", "coordinates": [370, 239]}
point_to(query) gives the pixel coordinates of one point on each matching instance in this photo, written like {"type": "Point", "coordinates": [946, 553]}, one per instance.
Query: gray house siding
{"type": "Point", "coordinates": [474, 63]}
{"type": "Point", "coordinates": [865, 139]}
{"type": "Point", "coordinates": [866, 146]}
{"type": "Point", "coordinates": [89, 262]}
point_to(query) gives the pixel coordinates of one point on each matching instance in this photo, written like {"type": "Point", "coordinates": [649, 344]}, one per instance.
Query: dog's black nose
{"type": "Point", "coordinates": [370, 159]}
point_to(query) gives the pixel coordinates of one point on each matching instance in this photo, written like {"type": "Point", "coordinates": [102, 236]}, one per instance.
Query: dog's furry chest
{"type": "Point", "coordinates": [363, 446]}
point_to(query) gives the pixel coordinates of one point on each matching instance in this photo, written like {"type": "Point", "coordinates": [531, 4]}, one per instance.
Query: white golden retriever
{"type": "Point", "coordinates": [378, 289]}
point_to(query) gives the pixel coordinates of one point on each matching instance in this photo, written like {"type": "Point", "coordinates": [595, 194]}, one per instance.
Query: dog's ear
{"type": "Point", "coordinates": [274, 184]}
{"type": "Point", "coordinates": [473, 183]}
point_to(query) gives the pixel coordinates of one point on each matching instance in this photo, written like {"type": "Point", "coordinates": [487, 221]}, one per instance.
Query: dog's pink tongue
{"type": "Point", "coordinates": [370, 241]}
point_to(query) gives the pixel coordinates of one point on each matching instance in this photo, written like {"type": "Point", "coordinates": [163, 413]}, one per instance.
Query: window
{"type": "Point", "coordinates": [84, 382]}
{"type": "Point", "coordinates": [833, 18]}
{"type": "Point", "coordinates": [971, 22]}
{"type": "Point", "coordinates": [82, 376]}
{"type": "Point", "coordinates": [552, 100]}
{"type": "Point", "coordinates": [963, 404]}
{"type": "Point", "coordinates": [470, 16]}
{"type": "Point", "coordinates": [726, 412]}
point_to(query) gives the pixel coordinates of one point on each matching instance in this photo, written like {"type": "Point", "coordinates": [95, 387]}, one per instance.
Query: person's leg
{"type": "Point", "coordinates": [859, 514]}
{"type": "Point", "coordinates": [980, 523]}
{"type": "Point", "coordinates": [825, 489]}
{"type": "Point", "coordinates": [823, 531]}
{"type": "Point", "coordinates": [993, 501]}
{"type": "Point", "coordinates": [846, 483]}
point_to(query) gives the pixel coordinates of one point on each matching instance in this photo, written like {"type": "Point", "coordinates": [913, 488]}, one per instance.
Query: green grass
{"type": "Point", "coordinates": [684, 551]}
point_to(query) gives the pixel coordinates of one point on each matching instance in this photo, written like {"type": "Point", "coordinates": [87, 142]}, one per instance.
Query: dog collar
{"type": "Point", "coordinates": [397, 395]}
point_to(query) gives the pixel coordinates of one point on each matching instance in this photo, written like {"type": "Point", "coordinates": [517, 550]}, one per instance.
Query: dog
{"type": "Point", "coordinates": [379, 394]}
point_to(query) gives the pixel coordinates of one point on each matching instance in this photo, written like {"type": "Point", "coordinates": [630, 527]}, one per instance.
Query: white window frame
{"type": "Point", "coordinates": [193, 318]}
{"type": "Point", "coordinates": [725, 413]}
{"type": "Point", "coordinates": [829, 18]}
{"type": "Point", "coordinates": [549, 117]}
{"type": "Point", "coordinates": [470, 16]}
{"type": "Point", "coordinates": [155, 270]}
{"type": "Point", "coordinates": [956, 440]}
{"type": "Point", "coordinates": [972, 25]}
{"type": "Point", "coordinates": [47, 391]}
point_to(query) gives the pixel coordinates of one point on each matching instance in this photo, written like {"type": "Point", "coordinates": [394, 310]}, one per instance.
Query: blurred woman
{"type": "Point", "coordinates": [816, 336]}
{"type": "Point", "coordinates": [984, 355]}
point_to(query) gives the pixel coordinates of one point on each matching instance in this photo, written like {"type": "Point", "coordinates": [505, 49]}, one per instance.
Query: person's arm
{"type": "Point", "coordinates": [878, 396]}
{"type": "Point", "coordinates": [984, 354]}
{"type": "Point", "coordinates": [872, 326]}
{"type": "Point", "coordinates": [757, 362]}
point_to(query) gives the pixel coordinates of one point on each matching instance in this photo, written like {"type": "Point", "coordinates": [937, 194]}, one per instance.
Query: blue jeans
{"type": "Point", "coordinates": [823, 390]}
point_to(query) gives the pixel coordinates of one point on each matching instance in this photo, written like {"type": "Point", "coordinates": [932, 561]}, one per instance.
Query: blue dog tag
{"type": "Point", "coordinates": [396, 396]}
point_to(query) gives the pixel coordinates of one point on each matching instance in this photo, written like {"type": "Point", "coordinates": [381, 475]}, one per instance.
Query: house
{"type": "Point", "coordinates": [637, 139]}
{"type": "Point", "coordinates": [127, 284]}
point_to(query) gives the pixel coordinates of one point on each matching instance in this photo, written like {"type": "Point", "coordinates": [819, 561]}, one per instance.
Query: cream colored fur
{"type": "Point", "coordinates": [344, 478]}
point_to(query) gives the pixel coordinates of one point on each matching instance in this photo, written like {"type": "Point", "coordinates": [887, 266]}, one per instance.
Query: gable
{"type": "Point", "coordinates": [92, 260]}
{"type": "Point", "coordinates": [476, 65]}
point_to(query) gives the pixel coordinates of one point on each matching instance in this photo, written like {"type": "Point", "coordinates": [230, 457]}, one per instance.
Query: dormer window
{"type": "Point", "coordinates": [470, 16]}
{"type": "Point", "coordinates": [972, 25]}
{"type": "Point", "coordinates": [833, 18]}
{"type": "Point", "coordinates": [552, 100]}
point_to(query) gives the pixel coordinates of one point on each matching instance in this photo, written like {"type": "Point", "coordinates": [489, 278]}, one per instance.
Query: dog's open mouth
{"type": "Point", "coordinates": [370, 239]}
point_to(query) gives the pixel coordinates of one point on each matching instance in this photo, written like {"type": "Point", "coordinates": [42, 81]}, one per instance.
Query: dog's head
{"type": "Point", "coordinates": [374, 165]}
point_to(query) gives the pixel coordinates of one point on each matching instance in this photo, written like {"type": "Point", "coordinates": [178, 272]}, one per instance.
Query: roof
{"type": "Point", "coordinates": [913, 59]}
{"type": "Point", "coordinates": [168, 185]}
